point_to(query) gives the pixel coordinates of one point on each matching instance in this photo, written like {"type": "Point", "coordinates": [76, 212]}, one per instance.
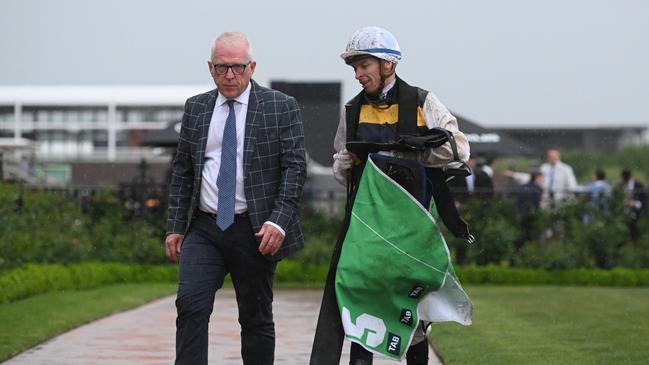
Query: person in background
{"type": "Point", "coordinates": [528, 195]}
{"type": "Point", "coordinates": [463, 188]}
{"type": "Point", "coordinates": [484, 175]}
{"type": "Point", "coordinates": [528, 201]}
{"type": "Point", "coordinates": [634, 201]}
{"type": "Point", "coordinates": [598, 191]}
{"type": "Point", "coordinates": [559, 183]}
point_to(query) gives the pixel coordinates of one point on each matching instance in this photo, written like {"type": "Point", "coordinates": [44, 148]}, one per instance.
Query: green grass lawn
{"type": "Point", "coordinates": [28, 322]}
{"type": "Point", "coordinates": [549, 325]}
{"type": "Point", "coordinates": [512, 325]}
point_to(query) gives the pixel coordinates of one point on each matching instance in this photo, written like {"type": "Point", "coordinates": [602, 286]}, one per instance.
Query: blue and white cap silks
{"type": "Point", "coordinates": [373, 41]}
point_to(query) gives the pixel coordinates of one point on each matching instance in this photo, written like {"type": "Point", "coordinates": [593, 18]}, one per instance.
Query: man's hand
{"type": "Point", "coordinates": [344, 160]}
{"type": "Point", "coordinates": [271, 239]}
{"type": "Point", "coordinates": [173, 243]}
{"type": "Point", "coordinates": [508, 173]}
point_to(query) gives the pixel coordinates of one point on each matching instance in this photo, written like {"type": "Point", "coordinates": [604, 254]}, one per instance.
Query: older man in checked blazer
{"type": "Point", "coordinates": [235, 186]}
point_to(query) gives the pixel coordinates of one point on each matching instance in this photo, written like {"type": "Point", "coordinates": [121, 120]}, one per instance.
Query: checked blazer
{"type": "Point", "coordinates": [274, 163]}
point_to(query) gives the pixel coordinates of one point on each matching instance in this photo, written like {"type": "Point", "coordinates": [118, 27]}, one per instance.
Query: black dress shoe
{"type": "Point", "coordinates": [417, 354]}
{"type": "Point", "coordinates": [359, 356]}
{"type": "Point", "coordinates": [360, 362]}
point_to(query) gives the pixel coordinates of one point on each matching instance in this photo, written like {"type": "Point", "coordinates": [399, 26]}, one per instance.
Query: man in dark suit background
{"type": "Point", "coordinates": [634, 202]}
{"type": "Point", "coordinates": [462, 187]}
{"type": "Point", "coordinates": [236, 181]}
{"type": "Point", "coordinates": [483, 179]}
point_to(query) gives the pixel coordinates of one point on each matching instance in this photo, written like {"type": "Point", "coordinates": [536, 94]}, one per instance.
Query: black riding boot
{"type": "Point", "coordinates": [417, 354]}
{"type": "Point", "coordinates": [359, 356]}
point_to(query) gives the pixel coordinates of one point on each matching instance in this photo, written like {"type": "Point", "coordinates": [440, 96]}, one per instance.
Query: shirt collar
{"type": "Point", "coordinates": [243, 98]}
{"type": "Point", "coordinates": [389, 86]}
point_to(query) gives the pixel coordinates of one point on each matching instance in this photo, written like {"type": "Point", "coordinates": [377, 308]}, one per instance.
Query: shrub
{"type": "Point", "coordinates": [51, 228]}
{"type": "Point", "coordinates": [320, 233]}
{"type": "Point", "coordinates": [295, 272]}
{"type": "Point", "coordinates": [499, 275]}
{"type": "Point", "coordinates": [33, 279]}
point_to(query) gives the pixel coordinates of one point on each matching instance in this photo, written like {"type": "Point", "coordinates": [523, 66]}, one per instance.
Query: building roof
{"type": "Point", "coordinates": [491, 142]}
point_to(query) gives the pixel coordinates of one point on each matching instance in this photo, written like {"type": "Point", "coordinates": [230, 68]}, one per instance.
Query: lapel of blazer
{"type": "Point", "coordinates": [203, 126]}
{"type": "Point", "coordinates": [253, 118]}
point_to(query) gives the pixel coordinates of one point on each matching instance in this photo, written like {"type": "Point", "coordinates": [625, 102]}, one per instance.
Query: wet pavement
{"type": "Point", "coordinates": [146, 335]}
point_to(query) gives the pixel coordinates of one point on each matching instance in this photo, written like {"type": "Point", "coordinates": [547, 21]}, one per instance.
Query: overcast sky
{"type": "Point", "coordinates": [499, 62]}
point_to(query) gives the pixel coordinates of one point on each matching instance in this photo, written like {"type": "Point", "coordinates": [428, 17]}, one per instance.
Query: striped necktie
{"type": "Point", "coordinates": [226, 181]}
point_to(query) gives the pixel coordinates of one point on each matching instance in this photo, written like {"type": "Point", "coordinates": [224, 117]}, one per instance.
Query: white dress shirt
{"type": "Point", "coordinates": [470, 183]}
{"type": "Point", "coordinates": [488, 170]}
{"type": "Point", "coordinates": [209, 197]}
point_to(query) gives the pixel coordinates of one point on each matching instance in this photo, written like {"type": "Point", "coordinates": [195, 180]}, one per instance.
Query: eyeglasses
{"type": "Point", "coordinates": [237, 69]}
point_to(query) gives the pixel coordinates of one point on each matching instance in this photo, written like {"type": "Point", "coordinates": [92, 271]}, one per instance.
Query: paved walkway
{"type": "Point", "coordinates": [145, 335]}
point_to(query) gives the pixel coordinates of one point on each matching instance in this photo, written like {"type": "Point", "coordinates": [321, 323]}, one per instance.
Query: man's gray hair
{"type": "Point", "coordinates": [233, 38]}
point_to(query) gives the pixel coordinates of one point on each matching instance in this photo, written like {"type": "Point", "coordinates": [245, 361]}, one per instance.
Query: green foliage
{"type": "Point", "coordinates": [579, 235]}
{"type": "Point", "coordinates": [499, 275]}
{"type": "Point", "coordinates": [576, 236]}
{"type": "Point", "coordinates": [51, 228]}
{"type": "Point", "coordinates": [33, 279]}
{"type": "Point", "coordinates": [293, 272]}
{"type": "Point", "coordinates": [634, 255]}
{"type": "Point", "coordinates": [320, 233]}
{"type": "Point", "coordinates": [495, 227]}
{"type": "Point", "coordinates": [584, 163]}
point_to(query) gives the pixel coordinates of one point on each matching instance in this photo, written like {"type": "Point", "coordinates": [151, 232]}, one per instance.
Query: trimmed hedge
{"type": "Point", "coordinates": [33, 279]}
{"type": "Point", "coordinates": [295, 273]}
{"type": "Point", "coordinates": [497, 275]}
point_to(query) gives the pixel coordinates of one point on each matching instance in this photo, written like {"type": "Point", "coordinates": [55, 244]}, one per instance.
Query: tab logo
{"type": "Point", "coordinates": [394, 343]}
{"type": "Point", "coordinates": [416, 291]}
{"type": "Point", "coordinates": [406, 317]}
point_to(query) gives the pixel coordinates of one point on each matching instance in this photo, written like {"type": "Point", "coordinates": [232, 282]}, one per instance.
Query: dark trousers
{"type": "Point", "coordinates": [207, 256]}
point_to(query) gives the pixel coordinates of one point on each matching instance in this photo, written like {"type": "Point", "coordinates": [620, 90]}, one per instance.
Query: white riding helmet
{"type": "Point", "coordinates": [372, 41]}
